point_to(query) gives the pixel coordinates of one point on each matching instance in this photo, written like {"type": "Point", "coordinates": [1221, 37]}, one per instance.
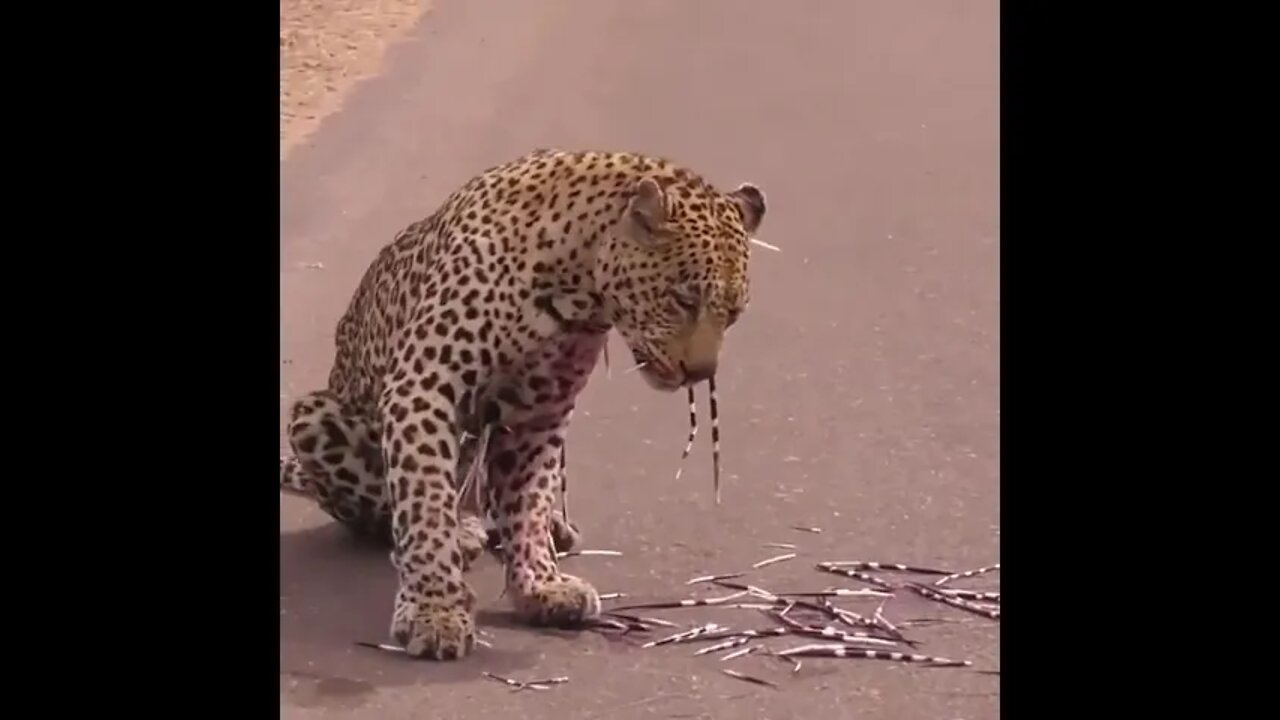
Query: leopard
{"type": "Point", "coordinates": [486, 318]}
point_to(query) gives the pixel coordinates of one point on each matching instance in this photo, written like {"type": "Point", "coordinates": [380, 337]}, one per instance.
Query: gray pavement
{"type": "Point", "coordinates": [859, 393]}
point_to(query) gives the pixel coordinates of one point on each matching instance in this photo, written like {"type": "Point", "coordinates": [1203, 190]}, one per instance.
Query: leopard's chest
{"type": "Point", "coordinates": [542, 386]}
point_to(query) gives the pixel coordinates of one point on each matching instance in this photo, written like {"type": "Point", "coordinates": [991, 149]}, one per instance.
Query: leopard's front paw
{"type": "Point", "coordinates": [564, 602]}
{"type": "Point", "coordinates": [436, 628]}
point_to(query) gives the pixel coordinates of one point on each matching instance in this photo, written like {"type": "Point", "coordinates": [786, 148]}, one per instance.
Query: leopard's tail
{"type": "Point", "coordinates": [293, 480]}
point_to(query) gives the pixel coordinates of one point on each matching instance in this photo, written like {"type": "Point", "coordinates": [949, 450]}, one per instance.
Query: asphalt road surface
{"type": "Point", "coordinates": [859, 394]}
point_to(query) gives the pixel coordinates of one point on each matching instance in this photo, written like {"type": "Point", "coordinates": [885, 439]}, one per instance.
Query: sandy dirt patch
{"type": "Point", "coordinates": [326, 46]}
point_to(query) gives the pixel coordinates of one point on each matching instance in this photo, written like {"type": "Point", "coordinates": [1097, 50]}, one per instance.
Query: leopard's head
{"type": "Point", "coordinates": [673, 273]}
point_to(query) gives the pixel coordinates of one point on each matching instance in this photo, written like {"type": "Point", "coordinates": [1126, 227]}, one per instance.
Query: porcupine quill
{"type": "Point", "coordinates": [715, 434]}
{"type": "Point", "coordinates": [715, 412]}
{"type": "Point", "coordinates": [564, 486]}
{"type": "Point", "coordinates": [693, 431]}
{"type": "Point", "coordinates": [477, 475]}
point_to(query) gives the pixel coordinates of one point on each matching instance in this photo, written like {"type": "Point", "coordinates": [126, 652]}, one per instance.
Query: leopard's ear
{"type": "Point", "coordinates": [648, 207]}
{"type": "Point", "coordinates": [751, 204]}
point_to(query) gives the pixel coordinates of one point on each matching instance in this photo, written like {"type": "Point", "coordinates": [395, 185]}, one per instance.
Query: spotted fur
{"type": "Point", "coordinates": [492, 312]}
